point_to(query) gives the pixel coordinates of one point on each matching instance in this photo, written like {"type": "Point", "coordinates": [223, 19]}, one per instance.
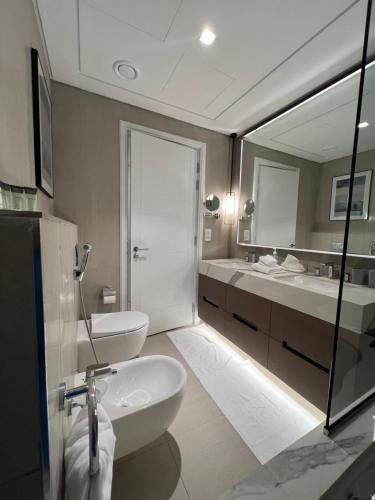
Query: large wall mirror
{"type": "Point", "coordinates": [295, 174]}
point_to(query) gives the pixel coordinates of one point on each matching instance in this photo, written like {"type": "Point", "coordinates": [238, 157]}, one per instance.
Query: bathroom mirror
{"type": "Point", "coordinates": [212, 204]}
{"type": "Point", "coordinates": [295, 173]}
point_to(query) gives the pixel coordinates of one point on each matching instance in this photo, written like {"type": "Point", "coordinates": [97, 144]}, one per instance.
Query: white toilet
{"type": "Point", "coordinates": [117, 336]}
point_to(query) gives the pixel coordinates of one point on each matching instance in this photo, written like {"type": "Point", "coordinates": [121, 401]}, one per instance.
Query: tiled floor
{"type": "Point", "coordinates": [199, 458]}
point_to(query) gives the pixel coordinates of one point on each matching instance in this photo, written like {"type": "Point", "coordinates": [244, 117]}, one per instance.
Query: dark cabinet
{"type": "Point", "coordinates": [294, 346]}
{"type": "Point", "coordinates": [307, 335]}
{"type": "Point", "coordinates": [305, 378]}
{"type": "Point", "coordinates": [249, 308]}
{"type": "Point", "coordinates": [250, 340]}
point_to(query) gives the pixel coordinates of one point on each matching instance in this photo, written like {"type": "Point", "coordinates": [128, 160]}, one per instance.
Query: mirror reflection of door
{"type": "Point", "coordinates": [276, 200]}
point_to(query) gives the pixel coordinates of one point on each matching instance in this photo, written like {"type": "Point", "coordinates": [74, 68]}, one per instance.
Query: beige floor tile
{"type": "Point", "coordinates": [151, 475]}
{"type": "Point", "coordinates": [197, 409]}
{"type": "Point", "coordinates": [213, 458]}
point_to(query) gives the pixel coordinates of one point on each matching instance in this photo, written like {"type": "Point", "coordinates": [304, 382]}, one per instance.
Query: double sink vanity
{"type": "Point", "coordinates": [286, 322]}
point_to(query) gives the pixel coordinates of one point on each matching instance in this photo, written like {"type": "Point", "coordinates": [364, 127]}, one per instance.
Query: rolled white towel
{"type": "Point", "coordinates": [79, 484]}
{"type": "Point", "coordinates": [268, 260]}
{"type": "Point", "coordinates": [266, 269]}
{"type": "Point", "coordinates": [291, 263]}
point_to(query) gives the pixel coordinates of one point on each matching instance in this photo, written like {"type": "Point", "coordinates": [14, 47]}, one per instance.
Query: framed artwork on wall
{"type": "Point", "coordinates": [360, 197]}
{"type": "Point", "coordinates": [42, 121]}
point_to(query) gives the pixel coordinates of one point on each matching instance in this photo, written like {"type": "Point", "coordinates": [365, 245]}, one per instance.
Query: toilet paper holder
{"type": "Point", "coordinates": [109, 295]}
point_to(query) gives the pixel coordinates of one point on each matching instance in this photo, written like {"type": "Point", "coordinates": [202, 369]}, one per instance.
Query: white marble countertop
{"type": "Point", "coordinates": [358, 307]}
{"type": "Point", "coordinates": [308, 468]}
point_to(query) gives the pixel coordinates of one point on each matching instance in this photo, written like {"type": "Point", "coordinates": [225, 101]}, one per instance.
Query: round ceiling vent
{"type": "Point", "coordinates": [126, 70]}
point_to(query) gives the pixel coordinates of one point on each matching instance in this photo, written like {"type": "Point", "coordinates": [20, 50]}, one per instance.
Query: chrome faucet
{"type": "Point", "coordinates": [250, 257]}
{"type": "Point", "coordinates": [371, 248]}
{"type": "Point", "coordinates": [330, 270]}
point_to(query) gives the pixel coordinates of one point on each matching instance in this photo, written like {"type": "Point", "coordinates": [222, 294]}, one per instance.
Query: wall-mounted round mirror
{"type": "Point", "coordinates": [212, 203]}
{"type": "Point", "coordinates": [249, 207]}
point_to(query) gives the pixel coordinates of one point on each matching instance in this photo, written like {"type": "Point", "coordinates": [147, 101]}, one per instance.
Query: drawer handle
{"type": "Point", "coordinates": [304, 357]}
{"type": "Point", "coordinates": [244, 322]}
{"type": "Point", "coordinates": [210, 302]}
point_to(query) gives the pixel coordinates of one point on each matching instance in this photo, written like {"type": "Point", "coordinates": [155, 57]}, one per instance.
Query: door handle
{"type": "Point", "coordinates": [137, 249]}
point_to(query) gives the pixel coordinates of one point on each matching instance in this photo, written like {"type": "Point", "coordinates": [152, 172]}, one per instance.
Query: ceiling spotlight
{"type": "Point", "coordinates": [207, 37]}
{"type": "Point", "coordinates": [125, 70]}
{"type": "Point", "coordinates": [363, 124]}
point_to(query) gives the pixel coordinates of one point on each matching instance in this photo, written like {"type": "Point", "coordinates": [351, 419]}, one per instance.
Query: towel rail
{"type": "Point", "coordinates": [92, 406]}
{"type": "Point", "coordinates": [89, 388]}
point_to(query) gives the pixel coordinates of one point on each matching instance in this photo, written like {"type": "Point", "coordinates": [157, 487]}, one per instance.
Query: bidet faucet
{"type": "Point", "coordinates": [99, 371]}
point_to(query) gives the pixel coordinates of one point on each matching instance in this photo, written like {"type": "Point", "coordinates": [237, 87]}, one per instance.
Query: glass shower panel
{"type": "Point", "coordinates": [353, 369]}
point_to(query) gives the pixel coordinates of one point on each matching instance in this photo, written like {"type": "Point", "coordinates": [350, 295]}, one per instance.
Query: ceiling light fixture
{"type": "Point", "coordinates": [363, 124]}
{"type": "Point", "coordinates": [125, 70]}
{"type": "Point", "coordinates": [207, 36]}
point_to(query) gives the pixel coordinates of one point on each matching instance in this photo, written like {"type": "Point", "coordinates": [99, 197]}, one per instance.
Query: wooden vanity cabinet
{"type": "Point", "coordinates": [248, 322]}
{"type": "Point", "coordinates": [308, 380]}
{"type": "Point", "coordinates": [312, 337]}
{"type": "Point", "coordinates": [294, 346]}
{"type": "Point", "coordinates": [211, 302]}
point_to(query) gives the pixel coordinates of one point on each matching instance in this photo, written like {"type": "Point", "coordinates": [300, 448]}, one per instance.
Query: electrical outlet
{"type": "Point", "coordinates": [207, 234]}
{"type": "Point", "coordinates": [246, 235]}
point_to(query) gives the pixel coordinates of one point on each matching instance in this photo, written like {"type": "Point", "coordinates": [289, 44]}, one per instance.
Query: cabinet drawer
{"type": "Point", "coordinates": [249, 307]}
{"type": "Point", "coordinates": [308, 335]}
{"type": "Point", "coordinates": [253, 342]}
{"type": "Point", "coordinates": [309, 381]}
{"type": "Point", "coordinates": [212, 290]}
{"type": "Point", "coordinates": [211, 314]}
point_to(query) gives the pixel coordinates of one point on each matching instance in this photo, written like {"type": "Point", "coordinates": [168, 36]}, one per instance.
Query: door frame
{"type": "Point", "coordinates": [125, 205]}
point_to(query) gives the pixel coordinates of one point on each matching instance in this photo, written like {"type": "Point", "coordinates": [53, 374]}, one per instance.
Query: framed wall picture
{"type": "Point", "coordinates": [360, 197]}
{"type": "Point", "coordinates": [42, 119]}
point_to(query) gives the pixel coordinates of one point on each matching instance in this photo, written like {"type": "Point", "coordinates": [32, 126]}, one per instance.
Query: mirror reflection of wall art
{"type": "Point", "coordinates": [42, 126]}
{"type": "Point", "coordinates": [360, 197]}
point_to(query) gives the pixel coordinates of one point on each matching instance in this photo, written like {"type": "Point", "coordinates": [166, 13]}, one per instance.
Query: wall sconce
{"type": "Point", "coordinates": [229, 208]}
{"type": "Point", "coordinates": [230, 201]}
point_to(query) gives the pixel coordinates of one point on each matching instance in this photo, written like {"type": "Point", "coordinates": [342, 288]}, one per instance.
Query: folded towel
{"type": "Point", "coordinates": [268, 260]}
{"type": "Point", "coordinates": [266, 269]}
{"type": "Point", "coordinates": [291, 263]}
{"type": "Point", "coordinates": [79, 484]}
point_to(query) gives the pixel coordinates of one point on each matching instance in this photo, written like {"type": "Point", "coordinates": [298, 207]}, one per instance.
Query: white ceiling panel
{"type": "Point", "coordinates": [266, 54]}
{"type": "Point", "coordinates": [194, 84]}
{"type": "Point", "coordinates": [154, 18]}
{"type": "Point", "coordinates": [105, 40]}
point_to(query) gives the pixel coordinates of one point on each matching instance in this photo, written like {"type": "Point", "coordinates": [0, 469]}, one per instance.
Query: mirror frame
{"type": "Point", "coordinates": [333, 82]}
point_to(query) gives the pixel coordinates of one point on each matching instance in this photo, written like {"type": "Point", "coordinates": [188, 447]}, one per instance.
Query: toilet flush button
{"type": "Point", "coordinates": [207, 234]}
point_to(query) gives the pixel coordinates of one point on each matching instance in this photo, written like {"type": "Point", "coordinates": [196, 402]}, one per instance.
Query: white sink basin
{"type": "Point", "coordinates": [311, 283]}
{"type": "Point", "coordinates": [142, 399]}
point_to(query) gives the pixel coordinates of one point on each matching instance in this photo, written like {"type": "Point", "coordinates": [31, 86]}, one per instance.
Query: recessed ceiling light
{"type": "Point", "coordinates": [363, 124]}
{"type": "Point", "coordinates": [207, 37]}
{"type": "Point", "coordinates": [125, 70]}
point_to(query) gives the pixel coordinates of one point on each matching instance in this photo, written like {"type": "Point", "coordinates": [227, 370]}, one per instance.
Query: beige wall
{"type": "Point", "coordinates": [18, 33]}
{"type": "Point", "coordinates": [87, 176]}
{"type": "Point", "coordinates": [308, 185]}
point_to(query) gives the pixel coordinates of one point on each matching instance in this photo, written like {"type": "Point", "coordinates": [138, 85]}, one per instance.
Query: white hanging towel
{"type": "Point", "coordinates": [79, 484]}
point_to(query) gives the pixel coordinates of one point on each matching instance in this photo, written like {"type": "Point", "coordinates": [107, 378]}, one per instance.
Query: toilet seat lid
{"type": "Point", "coordinates": [103, 325]}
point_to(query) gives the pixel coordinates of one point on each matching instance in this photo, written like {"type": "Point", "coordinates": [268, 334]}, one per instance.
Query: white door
{"type": "Point", "coordinates": [163, 206]}
{"type": "Point", "coordinates": [276, 201]}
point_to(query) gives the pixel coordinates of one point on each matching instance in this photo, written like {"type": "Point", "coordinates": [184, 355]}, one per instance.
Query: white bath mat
{"type": "Point", "coordinates": [267, 419]}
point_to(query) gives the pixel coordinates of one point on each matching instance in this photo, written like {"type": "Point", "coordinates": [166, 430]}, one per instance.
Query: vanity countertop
{"type": "Point", "coordinates": [309, 294]}
{"type": "Point", "coordinates": [310, 466]}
